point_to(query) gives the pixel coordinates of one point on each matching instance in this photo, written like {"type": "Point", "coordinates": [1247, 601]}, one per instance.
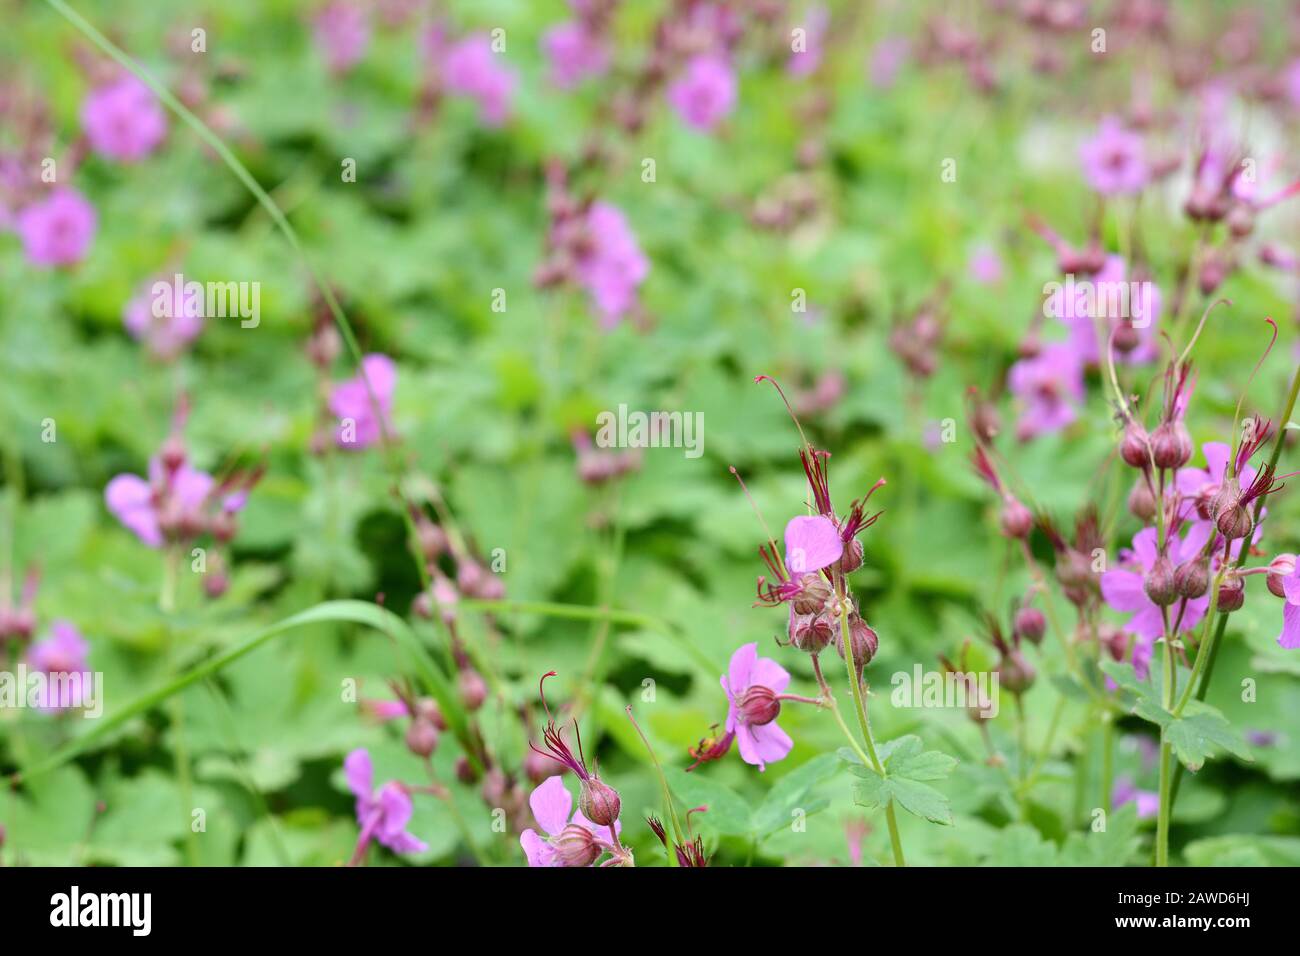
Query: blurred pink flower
{"type": "Point", "coordinates": [471, 68]}
{"type": "Point", "coordinates": [63, 654]}
{"type": "Point", "coordinates": [887, 58]}
{"type": "Point", "coordinates": [146, 507]}
{"type": "Point", "coordinates": [165, 335]}
{"type": "Point", "coordinates": [1146, 801]}
{"type": "Point", "coordinates": [613, 267]}
{"type": "Point", "coordinates": [1051, 386]}
{"type": "Point", "coordinates": [1114, 161]}
{"type": "Point", "coordinates": [359, 427]}
{"type": "Point", "coordinates": [123, 120]}
{"type": "Point", "coordinates": [342, 31]}
{"type": "Point", "coordinates": [705, 93]}
{"type": "Point", "coordinates": [985, 265]}
{"type": "Point", "coordinates": [805, 61]}
{"type": "Point", "coordinates": [575, 52]}
{"type": "Point", "coordinates": [382, 815]}
{"type": "Point", "coordinates": [57, 230]}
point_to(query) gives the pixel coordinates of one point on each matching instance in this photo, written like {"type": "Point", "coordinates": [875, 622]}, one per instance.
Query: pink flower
{"type": "Point", "coordinates": [1110, 296]}
{"type": "Point", "coordinates": [472, 69]}
{"type": "Point", "coordinates": [359, 427]}
{"type": "Point", "coordinates": [1290, 636]}
{"type": "Point", "coordinates": [705, 93]}
{"type": "Point", "coordinates": [1051, 386]}
{"type": "Point", "coordinates": [753, 685]}
{"type": "Point", "coordinates": [174, 502]}
{"type": "Point", "coordinates": [887, 58]}
{"type": "Point", "coordinates": [382, 816]}
{"type": "Point", "coordinates": [806, 60]}
{"type": "Point", "coordinates": [613, 267]}
{"type": "Point", "coordinates": [167, 334]}
{"type": "Point", "coordinates": [1125, 791]}
{"type": "Point", "coordinates": [62, 655]}
{"type": "Point", "coordinates": [575, 52]}
{"type": "Point", "coordinates": [1124, 589]}
{"type": "Point", "coordinates": [985, 266]}
{"type": "Point", "coordinates": [123, 120]}
{"type": "Point", "coordinates": [342, 31]}
{"type": "Point", "coordinates": [571, 840]}
{"type": "Point", "coordinates": [57, 230]}
{"type": "Point", "coordinates": [811, 543]}
{"type": "Point", "coordinates": [1114, 161]}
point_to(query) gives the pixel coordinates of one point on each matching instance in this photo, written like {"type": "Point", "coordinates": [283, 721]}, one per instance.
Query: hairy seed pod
{"type": "Point", "coordinates": [1141, 502]}
{"type": "Point", "coordinates": [814, 592]}
{"type": "Point", "coordinates": [1232, 594]}
{"type": "Point", "coordinates": [864, 642]}
{"type": "Point", "coordinates": [851, 559]}
{"type": "Point", "coordinates": [1017, 520]}
{"type": "Point", "coordinates": [1171, 445]}
{"type": "Point", "coordinates": [576, 846]}
{"type": "Point", "coordinates": [1030, 624]}
{"type": "Point", "coordinates": [421, 737]}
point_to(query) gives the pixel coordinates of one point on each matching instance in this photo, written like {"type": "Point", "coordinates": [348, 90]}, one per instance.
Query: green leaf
{"type": "Point", "coordinates": [1200, 733]}
{"type": "Point", "coordinates": [728, 812]}
{"type": "Point", "coordinates": [791, 792]}
{"type": "Point", "coordinates": [919, 799]}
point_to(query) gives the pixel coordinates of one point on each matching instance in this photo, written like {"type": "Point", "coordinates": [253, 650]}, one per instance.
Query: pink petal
{"type": "Point", "coordinates": [1123, 591]}
{"type": "Point", "coordinates": [537, 850]}
{"type": "Point", "coordinates": [551, 804]}
{"type": "Point", "coordinates": [1290, 636]}
{"type": "Point", "coordinates": [770, 674]}
{"type": "Point", "coordinates": [812, 542]}
{"type": "Point", "coordinates": [360, 772]}
{"type": "Point", "coordinates": [741, 669]}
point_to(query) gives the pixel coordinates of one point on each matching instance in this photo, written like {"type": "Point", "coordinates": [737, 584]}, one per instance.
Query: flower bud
{"type": "Point", "coordinates": [1283, 566]}
{"type": "Point", "coordinates": [1192, 579]}
{"type": "Point", "coordinates": [432, 539]}
{"type": "Point", "coordinates": [814, 592]}
{"type": "Point", "coordinates": [225, 525]}
{"type": "Point", "coordinates": [421, 737]}
{"type": "Point", "coordinates": [473, 689]}
{"type": "Point", "coordinates": [1030, 624]}
{"type": "Point", "coordinates": [1232, 594]}
{"type": "Point", "coordinates": [599, 802]}
{"type": "Point", "coordinates": [985, 421]}
{"type": "Point", "coordinates": [1127, 338]}
{"type": "Point", "coordinates": [1133, 446]}
{"type": "Point", "coordinates": [851, 559]}
{"type": "Point", "coordinates": [1017, 520]}
{"type": "Point", "coordinates": [576, 846]}
{"type": "Point", "coordinates": [428, 708]}
{"type": "Point", "coordinates": [810, 632]}
{"type": "Point", "coordinates": [758, 706]}
{"type": "Point", "coordinates": [1114, 640]}
{"type": "Point", "coordinates": [1015, 673]}
{"type": "Point", "coordinates": [1171, 445]}
{"type": "Point", "coordinates": [864, 642]}
{"type": "Point", "coordinates": [172, 454]}
{"type": "Point", "coordinates": [1159, 582]}
{"type": "Point", "coordinates": [465, 772]}
{"type": "Point", "coordinates": [1230, 517]}
{"type": "Point", "coordinates": [1141, 501]}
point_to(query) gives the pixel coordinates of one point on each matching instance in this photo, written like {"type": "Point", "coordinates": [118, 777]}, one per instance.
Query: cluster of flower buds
{"type": "Point", "coordinates": [473, 578]}
{"type": "Point", "coordinates": [690, 853]}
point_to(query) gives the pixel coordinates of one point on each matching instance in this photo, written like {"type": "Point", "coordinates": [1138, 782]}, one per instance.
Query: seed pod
{"type": "Point", "coordinates": [599, 802]}
{"type": "Point", "coordinates": [1127, 338]}
{"type": "Point", "coordinates": [1159, 582]}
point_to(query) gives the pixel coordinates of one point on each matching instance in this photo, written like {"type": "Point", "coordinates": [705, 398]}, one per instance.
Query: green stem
{"type": "Point", "coordinates": [1107, 759]}
{"type": "Point", "coordinates": [1162, 822]}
